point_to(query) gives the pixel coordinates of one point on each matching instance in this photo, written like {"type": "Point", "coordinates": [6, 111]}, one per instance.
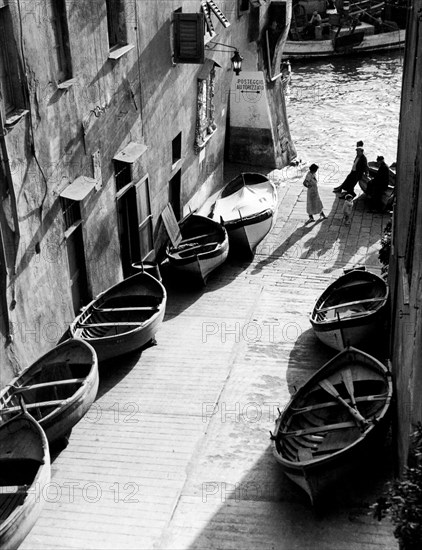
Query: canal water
{"type": "Point", "coordinates": [334, 103]}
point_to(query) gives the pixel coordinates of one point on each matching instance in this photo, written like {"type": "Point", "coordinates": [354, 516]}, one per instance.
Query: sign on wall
{"type": "Point", "coordinates": [248, 101]}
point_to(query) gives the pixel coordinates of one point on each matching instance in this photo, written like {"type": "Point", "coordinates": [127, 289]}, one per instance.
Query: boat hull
{"type": "Point", "coordinates": [71, 360]}
{"type": "Point", "coordinates": [315, 49]}
{"type": "Point", "coordinates": [316, 454]}
{"type": "Point", "coordinates": [246, 235]}
{"type": "Point", "coordinates": [201, 268]}
{"type": "Point", "coordinates": [346, 321]}
{"type": "Point", "coordinates": [247, 206]}
{"type": "Point", "coordinates": [129, 322]}
{"type": "Point", "coordinates": [199, 262]}
{"type": "Point", "coordinates": [29, 475]}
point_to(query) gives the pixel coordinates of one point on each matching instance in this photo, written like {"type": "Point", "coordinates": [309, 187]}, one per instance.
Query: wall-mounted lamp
{"type": "Point", "coordinates": [236, 59]}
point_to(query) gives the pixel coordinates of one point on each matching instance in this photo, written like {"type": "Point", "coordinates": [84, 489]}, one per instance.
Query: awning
{"type": "Point", "coordinates": [131, 152]}
{"type": "Point", "coordinates": [208, 5]}
{"type": "Point", "coordinates": [79, 189]}
{"type": "Point", "coordinates": [209, 64]}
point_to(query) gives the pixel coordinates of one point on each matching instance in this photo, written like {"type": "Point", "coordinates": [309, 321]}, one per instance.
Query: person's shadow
{"type": "Point", "coordinates": [289, 244]}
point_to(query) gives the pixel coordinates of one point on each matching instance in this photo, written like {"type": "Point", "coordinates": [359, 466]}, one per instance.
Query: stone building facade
{"type": "Point", "coordinates": [405, 272]}
{"type": "Point", "coordinates": [101, 128]}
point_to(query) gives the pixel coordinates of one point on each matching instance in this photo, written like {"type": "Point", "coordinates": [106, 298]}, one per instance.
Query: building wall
{"type": "Point", "coordinates": [406, 260]}
{"type": "Point", "coordinates": [141, 97]}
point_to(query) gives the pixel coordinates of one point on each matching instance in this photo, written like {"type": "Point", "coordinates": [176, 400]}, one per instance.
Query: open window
{"type": "Point", "coordinates": [71, 210]}
{"type": "Point", "coordinates": [61, 46]}
{"type": "Point", "coordinates": [11, 82]}
{"type": "Point", "coordinates": [134, 209]}
{"type": "Point", "coordinates": [176, 149]}
{"type": "Point", "coordinates": [242, 7]}
{"type": "Point", "coordinates": [117, 30]}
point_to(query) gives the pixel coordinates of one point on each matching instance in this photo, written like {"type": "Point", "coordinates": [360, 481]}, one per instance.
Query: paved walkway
{"type": "Point", "coordinates": [175, 453]}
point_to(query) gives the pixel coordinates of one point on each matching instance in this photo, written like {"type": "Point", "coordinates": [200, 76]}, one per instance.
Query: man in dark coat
{"type": "Point", "coordinates": [379, 183]}
{"type": "Point", "coordinates": [359, 168]}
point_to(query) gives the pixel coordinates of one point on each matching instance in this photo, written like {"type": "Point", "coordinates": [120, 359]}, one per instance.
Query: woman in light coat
{"type": "Point", "coordinates": [313, 201]}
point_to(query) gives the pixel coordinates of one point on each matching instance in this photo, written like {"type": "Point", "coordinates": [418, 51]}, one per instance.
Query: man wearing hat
{"type": "Point", "coordinates": [359, 168]}
{"type": "Point", "coordinates": [379, 183]}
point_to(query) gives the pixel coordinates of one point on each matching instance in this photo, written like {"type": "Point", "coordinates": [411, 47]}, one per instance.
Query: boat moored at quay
{"type": "Point", "coordinates": [346, 29]}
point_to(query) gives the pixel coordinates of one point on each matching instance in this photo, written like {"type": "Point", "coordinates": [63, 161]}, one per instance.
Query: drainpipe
{"type": "Point", "coordinates": [9, 181]}
{"type": "Point", "coordinates": [4, 157]}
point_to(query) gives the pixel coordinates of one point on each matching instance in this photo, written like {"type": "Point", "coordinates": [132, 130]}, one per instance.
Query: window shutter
{"type": "Point", "coordinates": [189, 38]}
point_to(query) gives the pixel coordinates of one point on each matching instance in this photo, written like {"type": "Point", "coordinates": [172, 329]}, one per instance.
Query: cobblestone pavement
{"type": "Point", "coordinates": [175, 453]}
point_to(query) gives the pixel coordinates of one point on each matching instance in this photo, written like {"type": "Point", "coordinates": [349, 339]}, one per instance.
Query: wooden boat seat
{"type": "Point", "coordinates": [197, 238]}
{"type": "Point", "coordinates": [320, 429]}
{"type": "Point", "coordinates": [120, 309]}
{"type": "Point", "coordinates": [13, 489]}
{"type": "Point", "coordinates": [317, 406]}
{"type": "Point", "coordinates": [195, 247]}
{"type": "Point", "coordinates": [132, 300]}
{"type": "Point", "coordinates": [350, 304]}
{"type": "Point", "coordinates": [53, 403]}
{"type": "Point", "coordinates": [111, 324]}
{"type": "Point", "coordinates": [19, 389]}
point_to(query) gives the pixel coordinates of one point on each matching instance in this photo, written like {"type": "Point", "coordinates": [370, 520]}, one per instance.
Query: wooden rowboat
{"type": "Point", "coordinates": [204, 246]}
{"type": "Point", "coordinates": [356, 43]}
{"type": "Point", "coordinates": [24, 472]}
{"type": "Point", "coordinates": [246, 206]}
{"type": "Point", "coordinates": [123, 318]}
{"type": "Point", "coordinates": [333, 421]}
{"type": "Point", "coordinates": [350, 310]}
{"type": "Point", "coordinates": [58, 389]}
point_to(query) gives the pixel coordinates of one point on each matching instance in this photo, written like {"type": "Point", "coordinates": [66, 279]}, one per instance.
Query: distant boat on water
{"type": "Point", "coordinates": [356, 28]}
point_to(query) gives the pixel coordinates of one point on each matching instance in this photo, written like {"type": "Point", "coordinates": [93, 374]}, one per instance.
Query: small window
{"type": "Point", "coordinates": [146, 242]}
{"type": "Point", "coordinates": [71, 212]}
{"type": "Point", "coordinates": [61, 44]}
{"type": "Point", "coordinates": [243, 6]}
{"type": "Point", "coordinates": [10, 74]}
{"type": "Point", "coordinates": [116, 23]}
{"type": "Point", "coordinates": [176, 148]}
{"type": "Point", "coordinates": [174, 193]}
{"type": "Point", "coordinates": [188, 37]}
{"type": "Point", "coordinates": [122, 174]}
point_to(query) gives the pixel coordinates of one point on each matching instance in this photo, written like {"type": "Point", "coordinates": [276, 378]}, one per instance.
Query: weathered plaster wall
{"type": "Point", "coordinates": [48, 150]}
{"type": "Point", "coordinates": [140, 97]}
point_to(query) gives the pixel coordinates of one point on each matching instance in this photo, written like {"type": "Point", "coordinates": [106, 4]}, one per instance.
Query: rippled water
{"type": "Point", "coordinates": [332, 104]}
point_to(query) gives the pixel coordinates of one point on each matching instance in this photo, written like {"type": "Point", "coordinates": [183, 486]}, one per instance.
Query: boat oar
{"type": "Point", "coordinates": [348, 382]}
{"type": "Point", "coordinates": [329, 388]}
{"type": "Point", "coordinates": [341, 330]}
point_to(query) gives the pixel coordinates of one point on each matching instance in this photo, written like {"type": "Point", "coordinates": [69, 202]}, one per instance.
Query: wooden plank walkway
{"type": "Point", "coordinates": [175, 452]}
